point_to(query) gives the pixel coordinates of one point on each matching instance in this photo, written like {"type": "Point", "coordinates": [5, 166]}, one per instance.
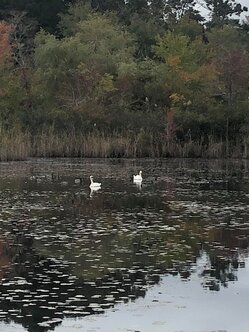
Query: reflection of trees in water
{"type": "Point", "coordinates": [218, 252]}
{"type": "Point", "coordinates": [216, 271]}
{"type": "Point", "coordinates": [226, 251]}
{"type": "Point", "coordinates": [5, 259]}
{"type": "Point", "coordinates": [139, 243]}
{"type": "Point", "coordinates": [38, 292]}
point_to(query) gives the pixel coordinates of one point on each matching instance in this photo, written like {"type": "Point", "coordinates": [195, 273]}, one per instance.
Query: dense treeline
{"type": "Point", "coordinates": [123, 78]}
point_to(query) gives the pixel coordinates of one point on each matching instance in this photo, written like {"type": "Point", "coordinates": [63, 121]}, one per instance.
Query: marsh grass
{"type": "Point", "coordinates": [18, 145]}
{"type": "Point", "coordinates": [94, 144]}
{"type": "Point", "coordinates": [14, 145]}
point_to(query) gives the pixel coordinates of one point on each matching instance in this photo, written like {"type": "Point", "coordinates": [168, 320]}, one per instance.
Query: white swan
{"type": "Point", "coordinates": [138, 178]}
{"type": "Point", "coordinates": [138, 184]}
{"type": "Point", "coordinates": [94, 185]}
{"type": "Point", "coordinates": [93, 191]}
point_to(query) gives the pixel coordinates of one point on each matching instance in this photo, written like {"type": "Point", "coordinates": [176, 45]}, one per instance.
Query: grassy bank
{"type": "Point", "coordinates": [16, 145]}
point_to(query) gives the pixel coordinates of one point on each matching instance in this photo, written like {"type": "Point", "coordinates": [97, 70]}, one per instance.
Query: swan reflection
{"type": "Point", "coordinates": [138, 185]}
{"type": "Point", "coordinates": [93, 191]}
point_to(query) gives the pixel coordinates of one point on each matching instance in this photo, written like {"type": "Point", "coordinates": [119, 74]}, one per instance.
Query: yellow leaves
{"type": "Point", "coordinates": [176, 98]}
{"type": "Point", "coordinates": [206, 71]}
{"type": "Point", "coordinates": [86, 70]}
{"type": "Point", "coordinates": [104, 86]}
{"type": "Point", "coordinates": [179, 102]}
{"type": "Point", "coordinates": [189, 63]}
{"type": "Point", "coordinates": [174, 60]}
{"type": "Point", "coordinates": [185, 76]}
{"type": "Point", "coordinates": [127, 70]}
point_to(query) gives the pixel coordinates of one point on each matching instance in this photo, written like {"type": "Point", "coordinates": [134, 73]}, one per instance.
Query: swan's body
{"type": "Point", "coordinates": [138, 178]}
{"type": "Point", "coordinates": [94, 185]}
{"type": "Point", "coordinates": [138, 184]}
{"type": "Point", "coordinates": [93, 190]}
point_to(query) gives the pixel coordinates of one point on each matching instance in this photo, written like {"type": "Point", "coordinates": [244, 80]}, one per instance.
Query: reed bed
{"type": "Point", "coordinates": [18, 145]}
{"type": "Point", "coordinates": [14, 145]}
{"type": "Point", "coordinates": [82, 145]}
{"type": "Point", "coordinates": [101, 145]}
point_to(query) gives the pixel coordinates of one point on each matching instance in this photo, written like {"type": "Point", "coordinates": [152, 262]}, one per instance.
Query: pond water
{"type": "Point", "coordinates": [169, 255]}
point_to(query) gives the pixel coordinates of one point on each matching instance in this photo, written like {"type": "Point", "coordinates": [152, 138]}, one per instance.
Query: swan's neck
{"type": "Point", "coordinates": [91, 180]}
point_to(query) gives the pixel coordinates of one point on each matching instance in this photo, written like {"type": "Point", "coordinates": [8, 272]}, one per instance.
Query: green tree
{"type": "Point", "coordinates": [146, 31]}
{"type": "Point", "coordinates": [45, 12]}
{"type": "Point", "coordinates": [190, 28]}
{"type": "Point", "coordinates": [222, 10]}
{"type": "Point", "coordinates": [177, 9]}
{"type": "Point", "coordinates": [108, 5]}
{"type": "Point", "coordinates": [11, 92]}
{"type": "Point", "coordinates": [82, 71]}
{"type": "Point", "coordinates": [189, 76]}
{"type": "Point", "coordinates": [232, 65]}
{"type": "Point", "coordinates": [75, 14]}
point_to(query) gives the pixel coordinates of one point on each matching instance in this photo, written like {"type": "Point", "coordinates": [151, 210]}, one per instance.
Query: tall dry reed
{"type": "Point", "coordinates": [94, 144]}
{"type": "Point", "coordinates": [18, 145]}
{"type": "Point", "coordinates": [14, 145]}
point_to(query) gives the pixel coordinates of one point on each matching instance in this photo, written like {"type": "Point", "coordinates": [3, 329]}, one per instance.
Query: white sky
{"type": "Point", "coordinates": [242, 2]}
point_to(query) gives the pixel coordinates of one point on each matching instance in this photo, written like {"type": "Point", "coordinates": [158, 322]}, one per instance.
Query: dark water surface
{"type": "Point", "coordinates": [171, 255]}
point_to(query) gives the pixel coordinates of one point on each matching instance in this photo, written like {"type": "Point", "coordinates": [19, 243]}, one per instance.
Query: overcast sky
{"type": "Point", "coordinates": [242, 2]}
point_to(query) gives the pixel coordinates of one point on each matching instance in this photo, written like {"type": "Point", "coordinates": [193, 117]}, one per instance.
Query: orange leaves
{"type": "Point", "coordinates": [4, 41]}
{"type": "Point", "coordinates": [5, 48]}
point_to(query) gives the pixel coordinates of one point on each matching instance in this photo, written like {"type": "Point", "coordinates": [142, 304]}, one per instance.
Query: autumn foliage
{"type": "Point", "coordinates": [5, 46]}
{"type": "Point", "coordinates": [134, 68]}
